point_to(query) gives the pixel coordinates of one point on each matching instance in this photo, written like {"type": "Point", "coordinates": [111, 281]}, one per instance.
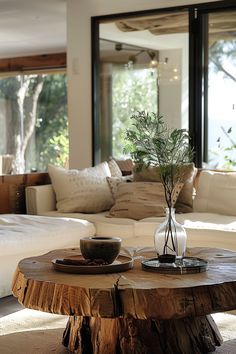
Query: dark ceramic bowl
{"type": "Point", "coordinates": [96, 247]}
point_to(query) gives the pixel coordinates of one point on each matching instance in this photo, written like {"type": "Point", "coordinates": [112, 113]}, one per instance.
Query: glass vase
{"type": "Point", "coordinates": [170, 237]}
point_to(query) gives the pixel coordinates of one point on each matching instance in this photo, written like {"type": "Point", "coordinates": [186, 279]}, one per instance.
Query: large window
{"type": "Point", "coordinates": [195, 54]}
{"type": "Point", "coordinates": [33, 119]}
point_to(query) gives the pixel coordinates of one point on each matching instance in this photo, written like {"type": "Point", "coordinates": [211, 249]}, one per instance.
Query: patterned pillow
{"type": "Point", "coordinates": [113, 183]}
{"type": "Point", "coordinates": [184, 203]}
{"type": "Point", "coordinates": [84, 191]}
{"type": "Point", "coordinates": [139, 200]}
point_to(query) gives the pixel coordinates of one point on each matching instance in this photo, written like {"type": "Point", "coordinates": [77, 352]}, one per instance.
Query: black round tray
{"type": "Point", "coordinates": [186, 265]}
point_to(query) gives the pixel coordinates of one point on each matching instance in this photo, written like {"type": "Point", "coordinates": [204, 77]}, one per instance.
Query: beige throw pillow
{"type": "Point", "coordinates": [139, 200]}
{"type": "Point", "coordinates": [114, 168]}
{"type": "Point", "coordinates": [84, 191]}
{"type": "Point", "coordinates": [184, 203]}
{"type": "Point", "coordinates": [113, 183]}
{"type": "Point", "coordinates": [216, 193]}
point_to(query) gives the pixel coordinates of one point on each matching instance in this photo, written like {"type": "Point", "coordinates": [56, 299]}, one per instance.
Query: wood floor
{"type": "Point", "coordinates": [8, 305]}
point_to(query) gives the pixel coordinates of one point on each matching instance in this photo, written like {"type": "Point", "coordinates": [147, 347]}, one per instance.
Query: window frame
{"type": "Point", "coordinates": [197, 71]}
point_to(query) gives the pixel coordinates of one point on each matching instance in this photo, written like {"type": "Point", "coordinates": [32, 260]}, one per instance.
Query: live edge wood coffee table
{"type": "Point", "coordinates": [134, 311]}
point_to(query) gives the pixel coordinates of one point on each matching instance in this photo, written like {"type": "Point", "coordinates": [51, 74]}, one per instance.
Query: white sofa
{"type": "Point", "coordinates": [23, 236]}
{"type": "Point", "coordinates": [212, 222]}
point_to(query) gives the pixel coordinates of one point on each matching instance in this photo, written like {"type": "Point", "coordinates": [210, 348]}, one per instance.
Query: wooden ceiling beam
{"type": "Point", "coordinates": [36, 62]}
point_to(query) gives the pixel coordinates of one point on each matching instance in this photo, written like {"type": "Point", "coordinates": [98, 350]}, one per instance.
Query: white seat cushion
{"type": "Point", "coordinates": [37, 234]}
{"type": "Point", "coordinates": [203, 229]}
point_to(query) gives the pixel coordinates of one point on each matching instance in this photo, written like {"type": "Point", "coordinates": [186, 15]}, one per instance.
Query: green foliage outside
{"type": "Point", "coordinates": [221, 54]}
{"type": "Point", "coordinates": [36, 122]}
{"type": "Point", "coordinates": [132, 90]}
{"type": "Point", "coordinates": [227, 154]}
{"type": "Point", "coordinates": [52, 141]}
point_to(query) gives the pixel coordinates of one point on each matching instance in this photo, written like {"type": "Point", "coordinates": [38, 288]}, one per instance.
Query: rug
{"type": "Point", "coordinates": [34, 332]}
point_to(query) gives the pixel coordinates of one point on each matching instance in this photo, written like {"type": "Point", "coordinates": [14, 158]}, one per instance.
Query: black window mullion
{"type": "Point", "coordinates": [195, 85]}
{"type": "Point", "coordinates": [205, 48]}
{"type": "Point", "coordinates": [198, 75]}
{"type": "Point", "coordinates": [96, 131]}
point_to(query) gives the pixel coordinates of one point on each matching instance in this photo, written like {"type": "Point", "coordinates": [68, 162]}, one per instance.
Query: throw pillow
{"type": "Point", "coordinates": [113, 183]}
{"type": "Point", "coordinates": [84, 191]}
{"type": "Point", "coordinates": [114, 168]}
{"type": "Point", "coordinates": [139, 200]}
{"type": "Point", "coordinates": [184, 203]}
{"type": "Point", "coordinates": [216, 193]}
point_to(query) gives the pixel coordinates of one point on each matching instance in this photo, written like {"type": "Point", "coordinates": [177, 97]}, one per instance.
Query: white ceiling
{"type": "Point", "coordinates": [29, 27]}
{"type": "Point", "coordinates": [143, 38]}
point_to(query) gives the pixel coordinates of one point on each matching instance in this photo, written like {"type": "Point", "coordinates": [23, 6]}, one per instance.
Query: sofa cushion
{"type": "Point", "coordinates": [203, 229]}
{"type": "Point", "coordinates": [33, 235]}
{"type": "Point", "coordinates": [84, 190]}
{"type": "Point", "coordinates": [216, 193]}
{"type": "Point", "coordinates": [138, 200]}
{"type": "Point", "coordinates": [184, 203]}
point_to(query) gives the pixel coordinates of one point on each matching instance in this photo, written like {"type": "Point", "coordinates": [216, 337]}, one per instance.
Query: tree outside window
{"type": "Point", "coordinates": [33, 116]}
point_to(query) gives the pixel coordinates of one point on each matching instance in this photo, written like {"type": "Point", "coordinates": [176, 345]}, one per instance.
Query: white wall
{"type": "Point", "coordinates": [79, 13]}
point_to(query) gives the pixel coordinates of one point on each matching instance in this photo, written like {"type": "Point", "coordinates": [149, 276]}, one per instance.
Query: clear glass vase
{"type": "Point", "coordinates": [170, 237]}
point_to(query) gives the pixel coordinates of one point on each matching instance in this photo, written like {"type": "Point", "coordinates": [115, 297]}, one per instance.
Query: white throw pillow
{"type": "Point", "coordinates": [216, 193]}
{"type": "Point", "coordinates": [84, 191]}
{"type": "Point", "coordinates": [114, 168]}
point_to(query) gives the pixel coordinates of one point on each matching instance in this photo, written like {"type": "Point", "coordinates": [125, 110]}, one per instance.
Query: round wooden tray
{"type": "Point", "coordinates": [187, 265]}
{"type": "Point", "coordinates": [121, 264]}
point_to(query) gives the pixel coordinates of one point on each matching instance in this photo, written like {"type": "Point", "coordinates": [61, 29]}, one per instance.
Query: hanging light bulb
{"type": "Point", "coordinates": [153, 62]}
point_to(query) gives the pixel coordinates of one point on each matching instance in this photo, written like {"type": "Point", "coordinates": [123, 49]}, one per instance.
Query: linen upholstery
{"type": "Point", "coordinates": [113, 183]}
{"type": "Point", "coordinates": [84, 190]}
{"type": "Point", "coordinates": [216, 193]}
{"type": "Point", "coordinates": [184, 203]}
{"type": "Point", "coordinates": [138, 200]}
{"type": "Point", "coordinates": [114, 168]}
{"type": "Point", "coordinates": [23, 236]}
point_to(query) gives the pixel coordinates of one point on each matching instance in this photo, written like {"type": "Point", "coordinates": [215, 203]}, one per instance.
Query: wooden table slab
{"type": "Point", "coordinates": [134, 311]}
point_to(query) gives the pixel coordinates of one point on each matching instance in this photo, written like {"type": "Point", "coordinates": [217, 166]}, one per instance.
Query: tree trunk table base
{"type": "Point", "coordinates": [90, 335]}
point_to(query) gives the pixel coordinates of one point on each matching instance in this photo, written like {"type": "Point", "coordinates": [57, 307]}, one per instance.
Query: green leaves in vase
{"type": "Point", "coordinates": [152, 143]}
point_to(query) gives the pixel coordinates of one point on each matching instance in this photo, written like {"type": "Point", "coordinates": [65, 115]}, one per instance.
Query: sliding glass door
{"type": "Point", "coordinates": [143, 66]}
{"type": "Point", "coordinates": [179, 62]}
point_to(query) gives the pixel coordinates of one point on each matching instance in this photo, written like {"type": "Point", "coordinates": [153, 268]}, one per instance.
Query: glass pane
{"type": "Point", "coordinates": [143, 67]}
{"type": "Point", "coordinates": [132, 90]}
{"type": "Point", "coordinates": [221, 145]}
{"type": "Point", "coordinates": [33, 121]}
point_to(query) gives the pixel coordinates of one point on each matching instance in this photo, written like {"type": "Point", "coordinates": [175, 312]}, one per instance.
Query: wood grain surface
{"type": "Point", "coordinates": [134, 293]}
{"type": "Point", "coordinates": [132, 311]}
